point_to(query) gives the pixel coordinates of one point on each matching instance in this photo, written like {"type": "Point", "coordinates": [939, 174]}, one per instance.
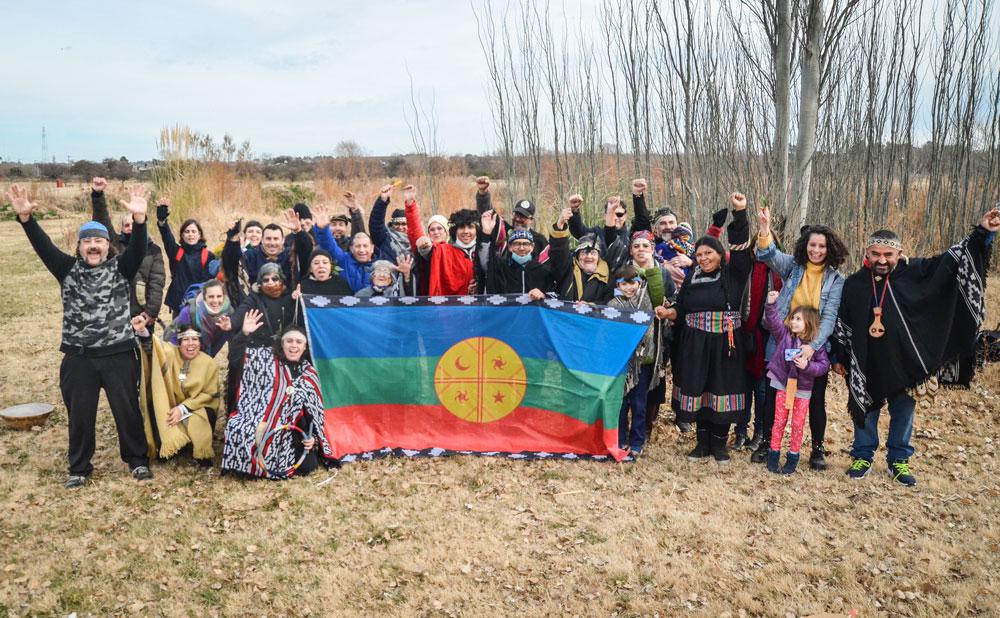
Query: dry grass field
{"type": "Point", "coordinates": [469, 536]}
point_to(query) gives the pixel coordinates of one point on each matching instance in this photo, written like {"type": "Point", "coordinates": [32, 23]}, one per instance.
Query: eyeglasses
{"type": "Point", "coordinates": [588, 251]}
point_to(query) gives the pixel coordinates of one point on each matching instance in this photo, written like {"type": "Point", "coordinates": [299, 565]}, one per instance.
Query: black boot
{"type": "Point", "coordinates": [755, 441]}
{"type": "Point", "coordinates": [739, 442]}
{"type": "Point", "coordinates": [703, 449]}
{"type": "Point", "coordinates": [817, 460]}
{"type": "Point", "coordinates": [760, 454]}
{"type": "Point", "coordinates": [719, 450]}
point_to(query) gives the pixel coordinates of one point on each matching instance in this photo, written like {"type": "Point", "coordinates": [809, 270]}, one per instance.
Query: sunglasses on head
{"type": "Point", "coordinates": [629, 280]}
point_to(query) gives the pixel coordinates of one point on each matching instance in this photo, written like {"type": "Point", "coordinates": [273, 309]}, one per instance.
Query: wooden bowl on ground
{"type": "Point", "coordinates": [26, 415]}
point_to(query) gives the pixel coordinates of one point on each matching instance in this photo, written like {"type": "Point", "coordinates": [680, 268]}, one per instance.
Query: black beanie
{"type": "Point", "coordinates": [302, 211]}
{"type": "Point", "coordinates": [318, 251]}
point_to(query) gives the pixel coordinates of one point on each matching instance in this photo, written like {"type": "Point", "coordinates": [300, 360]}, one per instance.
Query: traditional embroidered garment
{"type": "Point", "coordinates": [709, 380]}
{"type": "Point", "coordinates": [271, 395]}
{"type": "Point", "coordinates": [168, 381]}
{"type": "Point", "coordinates": [932, 313]}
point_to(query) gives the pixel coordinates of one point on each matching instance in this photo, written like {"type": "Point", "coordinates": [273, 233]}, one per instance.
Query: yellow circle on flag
{"type": "Point", "coordinates": [480, 379]}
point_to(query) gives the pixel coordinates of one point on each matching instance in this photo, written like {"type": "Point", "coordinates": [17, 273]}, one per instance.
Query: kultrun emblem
{"type": "Point", "coordinates": [480, 379]}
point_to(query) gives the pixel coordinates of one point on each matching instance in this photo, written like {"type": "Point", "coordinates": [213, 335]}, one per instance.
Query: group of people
{"type": "Point", "coordinates": [744, 333]}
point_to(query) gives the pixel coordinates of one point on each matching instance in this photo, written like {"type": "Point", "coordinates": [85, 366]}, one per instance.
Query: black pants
{"type": "Point", "coordinates": [81, 379]}
{"type": "Point", "coordinates": [817, 411]}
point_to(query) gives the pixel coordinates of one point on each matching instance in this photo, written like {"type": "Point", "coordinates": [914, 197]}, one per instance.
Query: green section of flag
{"type": "Point", "coordinates": [584, 396]}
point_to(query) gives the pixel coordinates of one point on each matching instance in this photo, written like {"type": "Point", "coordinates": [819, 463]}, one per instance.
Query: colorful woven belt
{"type": "Point", "coordinates": [713, 321]}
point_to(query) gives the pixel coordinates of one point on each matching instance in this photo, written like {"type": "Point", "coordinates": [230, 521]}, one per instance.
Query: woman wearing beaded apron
{"type": "Point", "coordinates": [709, 381]}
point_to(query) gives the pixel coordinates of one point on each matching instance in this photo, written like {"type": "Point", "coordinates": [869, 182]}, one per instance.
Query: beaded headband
{"type": "Point", "coordinates": [892, 243]}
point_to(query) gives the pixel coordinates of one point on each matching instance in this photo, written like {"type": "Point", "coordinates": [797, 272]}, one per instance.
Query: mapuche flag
{"type": "Point", "coordinates": [492, 375]}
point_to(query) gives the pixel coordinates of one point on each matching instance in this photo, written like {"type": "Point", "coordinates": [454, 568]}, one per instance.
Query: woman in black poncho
{"type": "Point", "coordinates": [709, 353]}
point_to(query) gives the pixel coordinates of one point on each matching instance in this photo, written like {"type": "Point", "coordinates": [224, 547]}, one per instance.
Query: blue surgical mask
{"type": "Point", "coordinates": [521, 259]}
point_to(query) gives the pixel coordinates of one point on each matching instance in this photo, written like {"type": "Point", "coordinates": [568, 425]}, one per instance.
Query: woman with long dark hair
{"type": "Point", "coordinates": [809, 279]}
{"type": "Point", "coordinates": [190, 261]}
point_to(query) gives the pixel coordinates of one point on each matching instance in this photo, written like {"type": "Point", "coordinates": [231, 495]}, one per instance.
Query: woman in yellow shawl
{"type": "Point", "coordinates": [179, 394]}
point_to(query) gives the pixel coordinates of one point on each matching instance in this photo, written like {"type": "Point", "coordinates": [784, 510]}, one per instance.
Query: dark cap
{"type": "Point", "coordinates": [341, 217]}
{"type": "Point", "coordinates": [524, 208]}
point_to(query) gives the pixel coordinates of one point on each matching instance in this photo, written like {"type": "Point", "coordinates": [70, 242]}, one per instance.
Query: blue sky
{"type": "Point", "coordinates": [291, 77]}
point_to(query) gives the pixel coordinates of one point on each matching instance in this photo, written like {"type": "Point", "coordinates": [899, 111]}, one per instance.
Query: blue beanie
{"type": "Point", "coordinates": [520, 234]}
{"type": "Point", "coordinates": [93, 229]}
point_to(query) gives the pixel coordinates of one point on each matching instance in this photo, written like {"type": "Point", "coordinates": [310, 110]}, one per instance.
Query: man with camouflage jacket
{"type": "Point", "coordinates": [98, 341]}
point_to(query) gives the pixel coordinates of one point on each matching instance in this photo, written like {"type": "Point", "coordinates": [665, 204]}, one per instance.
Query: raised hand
{"type": "Point", "coordinates": [385, 193]}
{"type": "Point", "coordinates": [98, 184]}
{"type": "Point", "coordinates": [138, 203]}
{"type": "Point", "coordinates": [563, 218]}
{"type": "Point", "coordinates": [991, 220]}
{"type": "Point", "coordinates": [409, 194]}
{"type": "Point", "coordinates": [18, 198]}
{"type": "Point", "coordinates": [488, 221]}
{"type": "Point", "coordinates": [404, 264]}
{"type": "Point", "coordinates": [638, 186]}
{"type": "Point", "coordinates": [575, 201]}
{"type": "Point", "coordinates": [163, 210]}
{"type": "Point", "coordinates": [483, 184]}
{"type": "Point", "coordinates": [321, 215]}
{"type": "Point", "coordinates": [772, 296]}
{"type": "Point", "coordinates": [234, 229]}
{"type": "Point", "coordinates": [292, 221]}
{"type": "Point", "coordinates": [253, 320]}
{"type": "Point", "coordinates": [764, 221]}
{"type": "Point", "coordinates": [610, 220]}
{"type": "Point", "coordinates": [738, 201]}
{"type": "Point", "coordinates": [350, 201]}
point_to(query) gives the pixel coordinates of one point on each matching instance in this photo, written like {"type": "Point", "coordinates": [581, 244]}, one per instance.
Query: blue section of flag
{"type": "Point", "coordinates": [578, 342]}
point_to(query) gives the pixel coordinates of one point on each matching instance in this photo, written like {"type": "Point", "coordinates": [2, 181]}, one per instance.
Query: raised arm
{"type": "Point", "coordinates": [484, 201]}
{"type": "Point", "coordinates": [767, 252]}
{"type": "Point", "coordinates": [169, 244]}
{"type": "Point", "coordinates": [55, 260]}
{"type": "Point", "coordinates": [641, 219]}
{"type": "Point", "coordinates": [559, 258]}
{"type": "Point", "coordinates": [740, 258]}
{"type": "Point", "coordinates": [99, 207]}
{"type": "Point", "coordinates": [130, 261]}
{"type": "Point", "coordinates": [376, 220]}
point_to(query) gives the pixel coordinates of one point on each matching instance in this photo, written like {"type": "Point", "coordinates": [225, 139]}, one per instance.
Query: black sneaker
{"type": "Point", "coordinates": [900, 471]}
{"type": "Point", "coordinates": [141, 473]}
{"type": "Point", "coordinates": [74, 481]}
{"type": "Point", "coordinates": [755, 442]}
{"type": "Point", "coordinates": [684, 427]}
{"type": "Point", "coordinates": [739, 442]}
{"type": "Point", "coordinates": [859, 468]}
{"type": "Point", "coordinates": [760, 453]}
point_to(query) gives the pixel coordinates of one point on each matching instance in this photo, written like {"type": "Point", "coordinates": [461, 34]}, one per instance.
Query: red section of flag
{"type": "Point", "coordinates": [363, 428]}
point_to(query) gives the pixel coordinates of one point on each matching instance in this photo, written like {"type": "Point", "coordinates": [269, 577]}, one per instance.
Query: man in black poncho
{"type": "Point", "coordinates": [903, 324]}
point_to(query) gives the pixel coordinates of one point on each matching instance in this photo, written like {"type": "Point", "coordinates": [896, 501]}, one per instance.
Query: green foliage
{"type": "Point", "coordinates": [7, 213]}
{"type": "Point", "coordinates": [286, 197]}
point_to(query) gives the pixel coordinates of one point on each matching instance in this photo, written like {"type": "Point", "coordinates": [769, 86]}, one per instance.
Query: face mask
{"type": "Point", "coordinates": [521, 259]}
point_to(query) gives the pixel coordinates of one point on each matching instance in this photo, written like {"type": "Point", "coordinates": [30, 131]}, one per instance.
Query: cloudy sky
{"type": "Point", "coordinates": [291, 77]}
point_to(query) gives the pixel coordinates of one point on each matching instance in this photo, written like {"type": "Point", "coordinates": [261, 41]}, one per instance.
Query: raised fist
{"type": "Point", "coordinates": [772, 296]}
{"type": "Point", "coordinates": [564, 218]}
{"type": "Point", "coordinates": [409, 194]}
{"type": "Point", "coordinates": [638, 186]}
{"type": "Point", "coordinates": [98, 184]}
{"type": "Point", "coordinates": [738, 201]}
{"type": "Point", "coordinates": [483, 184]}
{"type": "Point", "coordinates": [575, 201]}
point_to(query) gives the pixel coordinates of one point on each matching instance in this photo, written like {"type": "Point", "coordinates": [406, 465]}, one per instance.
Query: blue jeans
{"type": "Point", "coordinates": [635, 399]}
{"type": "Point", "coordinates": [900, 430]}
{"type": "Point", "coordinates": [755, 396]}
